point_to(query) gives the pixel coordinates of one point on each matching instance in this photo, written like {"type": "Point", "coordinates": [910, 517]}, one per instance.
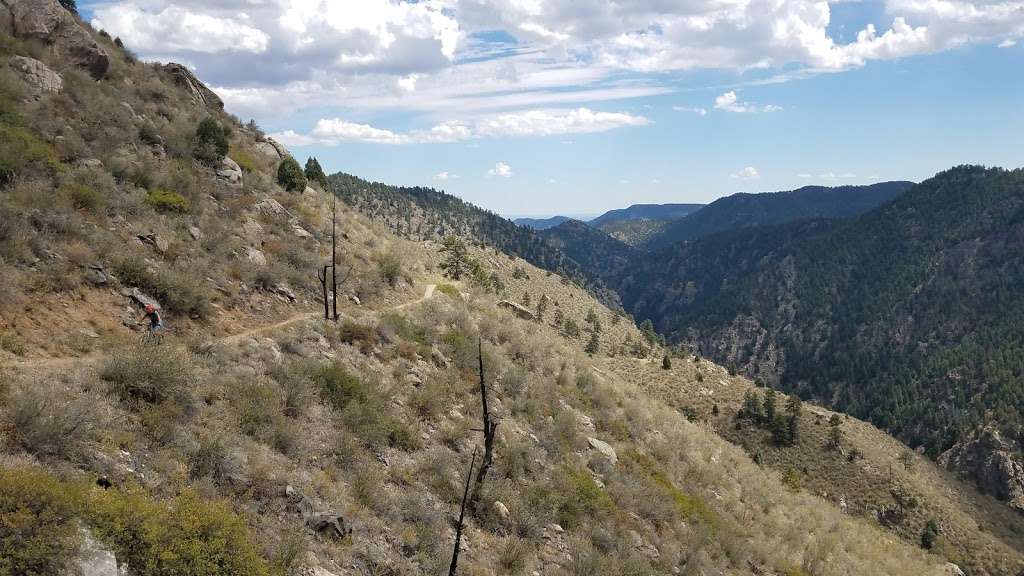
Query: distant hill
{"type": "Point", "coordinates": [647, 212]}
{"type": "Point", "coordinates": [911, 315]}
{"type": "Point", "coordinates": [541, 223]}
{"type": "Point", "coordinates": [594, 250]}
{"type": "Point", "coordinates": [745, 210]}
{"type": "Point", "coordinates": [633, 232]}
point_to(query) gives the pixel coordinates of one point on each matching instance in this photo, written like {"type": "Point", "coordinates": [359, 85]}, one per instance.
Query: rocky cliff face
{"type": "Point", "coordinates": [992, 460]}
{"type": "Point", "coordinates": [49, 22]}
{"type": "Point", "coordinates": [200, 93]}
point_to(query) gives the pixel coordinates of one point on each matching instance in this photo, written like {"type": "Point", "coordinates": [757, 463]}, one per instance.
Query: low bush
{"type": "Point", "coordinates": [338, 387]}
{"type": "Point", "coordinates": [168, 202]}
{"type": "Point", "coordinates": [245, 160]}
{"type": "Point", "coordinates": [187, 535]}
{"type": "Point", "coordinates": [12, 342]}
{"type": "Point", "coordinates": [149, 374]}
{"type": "Point", "coordinates": [362, 336]}
{"type": "Point", "coordinates": [38, 532]}
{"type": "Point", "coordinates": [179, 291]}
{"type": "Point", "coordinates": [47, 421]}
{"type": "Point", "coordinates": [83, 197]}
{"type": "Point", "coordinates": [21, 151]}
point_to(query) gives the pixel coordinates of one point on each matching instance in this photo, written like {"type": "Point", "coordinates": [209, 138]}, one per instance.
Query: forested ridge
{"type": "Point", "coordinates": [426, 213]}
{"type": "Point", "coordinates": [747, 210]}
{"type": "Point", "coordinates": [910, 315]}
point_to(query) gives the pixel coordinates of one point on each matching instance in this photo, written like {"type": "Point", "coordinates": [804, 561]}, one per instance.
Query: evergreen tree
{"type": "Point", "coordinates": [559, 318]}
{"type": "Point", "coordinates": [794, 408]}
{"type": "Point", "coordinates": [666, 363]}
{"type": "Point", "coordinates": [593, 345]}
{"type": "Point", "coordinates": [457, 261]}
{"type": "Point", "coordinates": [210, 143]}
{"type": "Point", "coordinates": [929, 534]}
{"type": "Point", "coordinates": [290, 175]}
{"type": "Point", "coordinates": [70, 6]}
{"type": "Point", "coordinates": [647, 330]}
{"type": "Point", "coordinates": [314, 173]}
{"type": "Point", "coordinates": [770, 406]}
{"type": "Point", "coordinates": [542, 306]}
{"type": "Point", "coordinates": [751, 405]}
{"type": "Point", "coordinates": [835, 437]}
{"type": "Point", "coordinates": [571, 329]}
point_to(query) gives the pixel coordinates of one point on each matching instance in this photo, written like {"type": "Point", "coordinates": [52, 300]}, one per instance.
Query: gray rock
{"type": "Point", "coordinates": [200, 93]}
{"type": "Point", "coordinates": [991, 460]}
{"type": "Point", "coordinates": [324, 523]}
{"type": "Point", "coordinates": [252, 229]}
{"type": "Point", "coordinates": [256, 256]}
{"type": "Point", "coordinates": [517, 309]}
{"type": "Point", "coordinates": [230, 172]}
{"type": "Point", "coordinates": [271, 149]}
{"type": "Point", "coordinates": [604, 448]}
{"type": "Point", "coordinates": [159, 243]}
{"type": "Point", "coordinates": [39, 77]}
{"type": "Point", "coordinates": [93, 559]}
{"type": "Point", "coordinates": [139, 298]}
{"type": "Point", "coordinates": [283, 289]}
{"type": "Point", "coordinates": [953, 570]}
{"type": "Point", "coordinates": [501, 510]}
{"type": "Point", "coordinates": [270, 207]}
{"type": "Point", "coordinates": [48, 22]}
{"type": "Point", "coordinates": [89, 163]}
{"type": "Point", "coordinates": [95, 274]}
{"type": "Point", "coordinates": [438, 357]}
{"type": "Point", "coordinates": [195, 233]}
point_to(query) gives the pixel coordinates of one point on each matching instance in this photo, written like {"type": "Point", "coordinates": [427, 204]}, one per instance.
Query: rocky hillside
{"type": "Point", "coordinates": [909, 315]}
{"type": "Point", "coordinates": [258, 438]}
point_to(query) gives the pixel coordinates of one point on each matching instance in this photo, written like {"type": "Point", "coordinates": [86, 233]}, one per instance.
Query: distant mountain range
{"type": "Point", "coordinates": [745, 210]}
{"type": "Point", "coordinates": [541, 223]}
{"type": "Point", "coordinates": [647, 212]}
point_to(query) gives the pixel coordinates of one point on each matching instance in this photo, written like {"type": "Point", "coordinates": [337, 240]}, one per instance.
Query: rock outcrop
{"type": "Point", "coordinates": [991, 460]}
{"type": "Point", "coordinates": [517, 309]}
{"type": "Point", "coordinates": [200, 93]}
{"type": "Point", "coordinates": [39, 77]}
{"type": "Point", "coordinates": [271, 149]}
{"type": "Point", "coordinates": [48, 22]}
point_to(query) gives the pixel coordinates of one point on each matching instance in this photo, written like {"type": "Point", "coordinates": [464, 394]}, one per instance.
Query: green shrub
{"type": "Point", "coordinates": [149, 374]}
{"type": "Point", "coordinates": [363, 336]}
{"type": "Point", "coordinates": [338, 387]}
{"type": "Point", "coordinates": [210, 143]}
{"type": "Point", "coordinates": [83, 197]}
{"type": "Point", "coordinates": [38, 534]}
{"type": "Point", "coordinates": [186, 536]}
{"type": "Point", "coordinates": [167, 201]}
{"type": "Point", "coordinates": [245, 160]}
{"type": "Point", "coordinates": [21, 150]}
{"type": "Point", "coordinates": [450, 291]}
{"type": "Point", "coordinates": [12, 342]}
{"type": "Point", "coordinates": [290, 175]}
{"type": "Point", "coordinates": [578, 496]}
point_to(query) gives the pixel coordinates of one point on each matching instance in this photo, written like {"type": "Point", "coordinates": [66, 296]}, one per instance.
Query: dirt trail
{"type": "Point", "coordinates": [69, 362]}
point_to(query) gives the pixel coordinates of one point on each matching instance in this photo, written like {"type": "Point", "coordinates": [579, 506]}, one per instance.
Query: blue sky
{"type": "Point", "coordinates": [533, 107]}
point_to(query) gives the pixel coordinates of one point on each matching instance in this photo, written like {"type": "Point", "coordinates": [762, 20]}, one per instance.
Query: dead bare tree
{"type": "Point", "coordinates": [489, 428]}
{"type": "Point", "coordinates": [322, 276]}
{"type": "Point", "coordinates": [334, 253]}
{"type": "Point", "coordinates": [462, 518]}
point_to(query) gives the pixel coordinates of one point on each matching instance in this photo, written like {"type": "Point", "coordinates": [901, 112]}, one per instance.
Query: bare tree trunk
{"type": "Point", "coordinates": [489, 428]}
{"type": "Point", "coordinates": [334, 254]}
{"type": "Point", "coordinates": [462, 517]}
{"type": "Point", "coordinates": [322, 276]}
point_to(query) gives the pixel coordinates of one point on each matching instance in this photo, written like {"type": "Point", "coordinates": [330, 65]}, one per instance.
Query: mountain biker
{"type": "Point", "coordinates": [156, 323]}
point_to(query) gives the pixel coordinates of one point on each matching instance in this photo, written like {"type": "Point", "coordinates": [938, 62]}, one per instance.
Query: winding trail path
{"type": "Point", "coordinates": [230, 339]}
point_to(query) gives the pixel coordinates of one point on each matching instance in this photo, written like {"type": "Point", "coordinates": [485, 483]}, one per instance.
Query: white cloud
{"type": "Point", "coordinates": [697, 111]}
{"type": "Point", "coordinates": [334, 131]}
{"type": "Point", "coordinates": [804, 176]}
{"type": "Point", "coordinates": [1007, 43]}
{"type": "Point", "coordinates": [748, 173]}
{"type": "Point", "coordinates": [501, 170]}
{"type": "Point", "coordinates": [730, 102]}
{"type": "Point", "coordinates": [445, 175]}
{"type": "Point", "coordinates": [176, 29]}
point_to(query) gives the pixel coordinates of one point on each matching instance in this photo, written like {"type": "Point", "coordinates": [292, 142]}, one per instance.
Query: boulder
{"type": "Point", "coordinates": [270, 207]}
{"type": "Point", "coordinates": [501, 510]}
{"type": "Point", "coordinates": [200, 93]}
{"type": "Point", "coordinates": [93, 559]}
{"type": "Point", "coordinates": [282, 289]}
{"type": "Point", "coordinates": [95, 274]}
{"type": "Point", "coordinates": [953, 570]}
{"type": "Point", "coordinates": [252, 229]}
{"type": "Point", "coordinates": [605, 449]}
{"type": "Point", "coordinates": [322, 523]}
{"type": "Point", "coordinates": [271, 149]}
{"type": "Point", "coordinates": [48, 22]}
{"type": "Point", "coordinates": [230, 172]}
{"type": "Point", "coordinates": [39, 77]}
{"type": "Point", "coordinates": [195, 233]}
{"type": "Point", "coordinates": [517, 309]}
{"type": "Point", "coordinates": [255, 256]}
{"type": "Point", "coordinates": [139, 298]}
{"type": "Point", "coordinates": [159, 243]}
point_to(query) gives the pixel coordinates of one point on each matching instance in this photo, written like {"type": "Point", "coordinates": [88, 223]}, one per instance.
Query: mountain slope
{"type": "Point", "coordinates": [910, 315]}
{"type": "Point", "coordinates": [746, 210]}
{"type": "Point", "coordinates": [646, 212]}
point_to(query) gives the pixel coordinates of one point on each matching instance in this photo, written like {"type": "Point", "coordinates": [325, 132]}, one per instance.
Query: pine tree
{"type": "Point", "coordinates": [593, 345]}
{"type": "Point", "coordinates": [457, 261]}
{"type": "Point", "coordinates": [929, 534]}
{"type": "Point", "coordinates": [290, 176]}
{"type": "Point", "coordinates": [314, 173]}
{"type": "Point", "coordinates": [751, 404]}
{"type": "Point", "coordinates": [770, 406]}
{"type": "Point", "coordinates": [210, 143]}
{"type": "Point", "coordinates": [794, 408]}
{"type": "Point", "coordinates": [542, 305]}
{"type": "Point", "coordinates": [666, 363]}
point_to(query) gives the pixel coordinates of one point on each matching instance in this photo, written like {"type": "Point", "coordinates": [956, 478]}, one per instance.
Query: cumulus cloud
{"type": "Point", "coordinates": [697, 111]}
{"type": "Point", "coordinates": [445, 175]}
{"type": "Point", "coordinates": [334, 131]}
{"type": "Point", "coordinates": [730, 102]}
{"type": "Point", "coordinates": [748, 173]}
{"type": "Point", "coordinates": [500, 170]}
{"type": "Point", "coordinates": [177, 29]}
